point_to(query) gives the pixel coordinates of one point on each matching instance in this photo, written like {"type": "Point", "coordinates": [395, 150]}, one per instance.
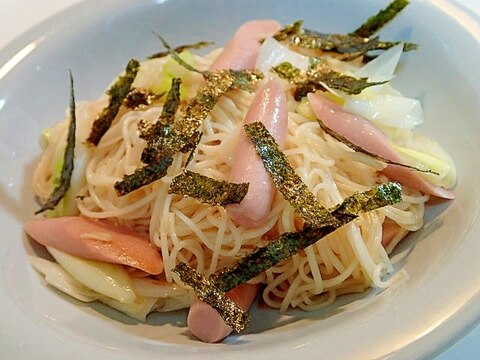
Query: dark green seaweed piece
{"type": "Point", "coordinates": [377, 21]}
{"type": "Point", "coordinates": [316, 77]}
{"type": "Point", "coordinates": [183, 134]}
{"type": "Point", "coordinates": [210, 294]}
{"type": "Point", "coordinates": [117, 93]}
{"type": "Point", "coordinates": [175, 55]}
{"type": "Point", "coordinates": [357, 148]}
{"type": "Point", "coordinates": [154, 133]}
{"type": "Point", "coordinates": [156, 159]}
{"type": "Point", "coordinates": [285, 179]}
{"type": "Point", "coordinates": [208, 190]}
{"type": "Point", "coordinates": [139, 98]}
{"type": "Point", "coordinates": [289, 31]}
{"type": "Point", "coordinates": [349, 45]}
{"type": "Point", "coordinates": [181, 48]}
{"type": "Point", "coordinates": [379, 196]}
{"type": "Point", "coordinates": [143, 176]}
{"type": "Point", "coordinates": [68, 159]}
{"type": "Point", "coordinates": [289, 244]}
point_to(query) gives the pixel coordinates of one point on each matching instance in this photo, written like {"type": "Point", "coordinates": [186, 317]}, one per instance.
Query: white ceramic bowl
{"type": "Point", "coordinates": [417, 318]}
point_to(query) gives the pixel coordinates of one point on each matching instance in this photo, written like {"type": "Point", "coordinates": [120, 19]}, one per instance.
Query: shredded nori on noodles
{"type": "Point", "coordinates": [183, 134]}
{"type": "Point", "coordinates": [180, 48]}
{"type": "Point", "coordinates": [317, 77]}
{"type": "Point", "coordinates": [285, 179]}
{"type": "Point", "coordinates": [208, 190]}
{"type": "Point", "coordinates": [350, 46]}
{"type": "Point", "coordinates": [154, 133]}
{"type": "Point", "coordinates": [143, 176]}
{"type": "Point", "coordinates": [290, 243]}
{"type": "Point", "coordinates": [173, 134]}
{"type": "Point", "coordinates": [156, 159]}
{"type": "Point", "coordinates": [175, 55]}
{"type": "Point", "coordinates": [357, 148]}
{"type": "Point", "coordinates": [68, 159]}
{"type": "Point", "coordinates": [139, 98]}
{"type": "Point", "coordinates": [377, 21]}
{"type": "Point", "coordinates": [117, 93]}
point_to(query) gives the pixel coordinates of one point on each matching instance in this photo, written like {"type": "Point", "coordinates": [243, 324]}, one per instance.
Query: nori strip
{"type": "Point", "coordinates": [157, 161]}
{"type": "Point", "coordinates": [138, 98]}
{"type": "Point", "coordinates": [377, 21]}
{"type": "Point", "coordinates": [143, 176]}
{"type": "Point", "coordinates": [285, 179]}
{"type": "Point", "coordinates": [175, 55]}
{"type": "Point", "coordinates": [316, 77]}
{"type": "Point", "coordinates": [349, 45]}
{"type": "Point", "coordinates": [154, 133]}
{"type": "Point", "coordinates": [183, 135]}
{"type": "Point", "coordinates": [289, 244]}
{"type": "Point", "coordinates": [180, 48]}
{"type": "Point", "coordinates": [210, 294]}
{"type": "Point", "coordinates": [357, 148]}
{"type": "Point", "coordinates": [117, 93]}
{"type": "Point", "coordinates": [208, 190]}
{"type": "Point", "coordinates": [68, 158]}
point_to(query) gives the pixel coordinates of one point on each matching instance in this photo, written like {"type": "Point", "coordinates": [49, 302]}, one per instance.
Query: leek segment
{"type": "Point", "coordinates": [151, 295]}
{"type": "Point", "coordinates": [156, 74]}
{"type": "Point", "coordinates": [61, 280]}
{"type": "Point", "coordinates": [434, 161]}
{"type": "Point", "coordinates": [110, 280]}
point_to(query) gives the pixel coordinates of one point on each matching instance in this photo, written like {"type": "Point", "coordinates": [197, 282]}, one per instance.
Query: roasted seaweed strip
{"type": "Point", "coordinates": [68, 158]}
{"type": "Point", "coordinates": [154, 133]}
{"type": "Point", "coordinates": [139, 98]}
{"type": "Point", "coordinates": [357, 148]}
{"type": "Point", "coordinates": [208, 190]}
{"type": "Point", "coordinates": [175, 55]}
{"type": "Point", "coordinates": [156, 160]}
{"type": "Point", "coordinates": [117, 93]}
{"type": "Point", "coordinates": [143, 176]}
{"type": "Point", "coordinates": [181, 48]}
{"type": "Point", "coordinates": [319, 76]}
{"type": "Point", "coordinates": [289, 244]}
{"type": "Point", "coordinates": [377, 21]}
{"type": "Point", "coordinates": [349, 46]}
{"type": "Point", "coordinates": [210, 294]}
{"type": "Point", "coordinates": [183, 134]}
{"type": "Point", "coordinates": [285, 179]}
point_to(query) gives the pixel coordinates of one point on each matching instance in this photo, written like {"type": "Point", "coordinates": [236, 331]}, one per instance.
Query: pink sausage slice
{"type": "Point", "coordinates": [269, 106]}
{"type": "Point", "coordinates": [100, 240]}
{"type": "Point", "coordinates": [363, 133]}
{"type": "Point", "coordinates": [389, 230]}
{"type": "Point", "coordinates": [206, 324]}
{"type": "Point", "coordinates": [242, 50]}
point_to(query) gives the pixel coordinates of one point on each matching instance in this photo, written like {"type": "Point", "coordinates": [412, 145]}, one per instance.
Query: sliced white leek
{"type": "Point", "coordinates": [110, 280]}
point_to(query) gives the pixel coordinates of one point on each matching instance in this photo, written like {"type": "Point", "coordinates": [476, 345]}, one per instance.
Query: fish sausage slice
{"type": "Point", "coordinates": [242, 50]}
{"type": "Point", "coordinates": [363, 133]}
{"type": "Point", "coordinates": [100, 240]}
{"type": "Point", "coordinates": [269, 106]}
{"type": "Point", "coordinates": [206, 324]}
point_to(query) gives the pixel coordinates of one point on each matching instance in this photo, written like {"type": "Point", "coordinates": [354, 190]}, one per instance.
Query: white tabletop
{"type": "Point", "coordinates": [17, 16]}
